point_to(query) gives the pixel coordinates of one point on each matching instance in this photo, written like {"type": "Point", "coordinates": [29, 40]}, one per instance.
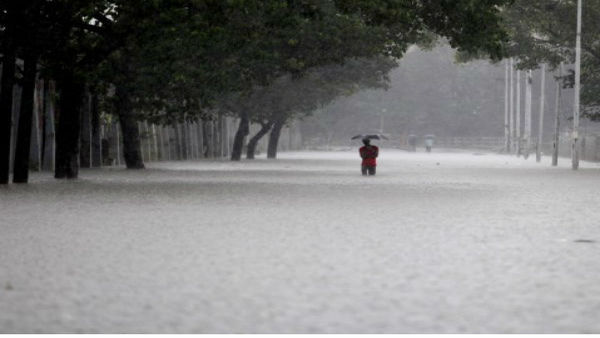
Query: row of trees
{"type": "Point", "coordinates": [167, 61]}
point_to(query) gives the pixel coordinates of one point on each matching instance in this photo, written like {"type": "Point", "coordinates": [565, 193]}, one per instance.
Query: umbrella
{"type": "Point", "coordinates": [370, 137]}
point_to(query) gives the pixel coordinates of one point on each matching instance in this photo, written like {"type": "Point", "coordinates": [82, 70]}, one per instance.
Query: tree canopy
{"type": "Point", "coordinates": [170, 60]}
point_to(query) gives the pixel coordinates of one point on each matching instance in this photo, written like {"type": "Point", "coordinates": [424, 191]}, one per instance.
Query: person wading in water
{"type": "Point", "coordinates": [369, 154]}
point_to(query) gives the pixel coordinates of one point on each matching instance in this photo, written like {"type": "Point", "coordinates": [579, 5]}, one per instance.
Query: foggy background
{"type": "Point", "coordinates": [432, 93]}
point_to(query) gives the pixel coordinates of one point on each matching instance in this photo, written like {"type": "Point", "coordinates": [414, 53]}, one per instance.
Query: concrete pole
{"type": "Point", "coordinates": [557, 102]}
{"type": "Point", "coordinates": [540, 136]}
{"type": "Point", "coordinates": [575, 144]}
{"type": "Point", "coordinates": [511, 106]}
{"type": "Point", "coordinates": [506, 122]}
{"type": "Point", "coordinates": [528, 99]}
{"type": "Point", "coordinates": [518, 114]}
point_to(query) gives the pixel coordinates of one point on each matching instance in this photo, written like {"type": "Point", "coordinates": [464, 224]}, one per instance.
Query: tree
{"type": "Point", "coordinates": [32, 30]}
{"type": "Point", "coordinates": [323, 85]}
{"type": "Point", "coordinates": [168, 61]}
{"type": "Point", "coordinates": [8, 20]}
{"type": "Point", "coordinates": [388, 28]}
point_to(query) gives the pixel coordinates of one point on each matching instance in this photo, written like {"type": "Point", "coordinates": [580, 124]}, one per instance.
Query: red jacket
{"type": "Point", "coordinates": [369, 155]}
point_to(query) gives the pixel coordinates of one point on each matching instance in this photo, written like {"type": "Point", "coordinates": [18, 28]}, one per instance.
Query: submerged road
{"type": "Point", "coordinates": [435, 243]}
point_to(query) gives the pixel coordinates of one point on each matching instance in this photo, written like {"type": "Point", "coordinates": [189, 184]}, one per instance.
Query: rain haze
{"type": "Point", "coordinates": [299, 167]}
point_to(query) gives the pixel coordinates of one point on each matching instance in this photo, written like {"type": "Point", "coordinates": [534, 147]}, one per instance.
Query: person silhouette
{"type": "Point", "coordinates": [369, 154]}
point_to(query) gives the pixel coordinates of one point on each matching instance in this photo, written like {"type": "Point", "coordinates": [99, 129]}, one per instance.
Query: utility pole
{"type": "Point", "coordinates": [506, 122]}
{"type": "Point", "coordinates": [527, 131]}
{"type": "Point", "coordinates": [511, 107]}
{"type": "Point", "coordinates": [575, 143]}
{"type": "Point", "coordinates": [518, 114]}
{"type": "Point", "coordinates": [557, 102]}
{"type": "Point", "coordinates": [538, 148]}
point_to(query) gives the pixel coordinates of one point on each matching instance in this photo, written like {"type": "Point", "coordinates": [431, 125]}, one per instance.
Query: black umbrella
{"type": "Point", "coordinates": [370, 137]}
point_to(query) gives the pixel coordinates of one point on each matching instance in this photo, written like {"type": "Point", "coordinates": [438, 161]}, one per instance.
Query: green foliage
{"type": "Point", "coordinates": [173, 59]}
{"type": "Point", "coordinates": [472, 26]}
{"type": "Point", "coordinates": [287, 98]}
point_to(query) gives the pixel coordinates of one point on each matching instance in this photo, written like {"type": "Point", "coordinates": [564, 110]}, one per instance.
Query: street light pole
{"type": "Point", "coordinates": [538, 149]}
{"type": "Point", "coordinates": [506, 110]}
{"type": "Point", "coordinates": [527, 131]}
{"type": "Point", "coordinates": [557, 115]}
{"type": "Point", "coordinates": [575, 142]}
{"type": "Point", "coordinates": [511, 112]}
{"type": "Point", "coordinates": [518, 114]}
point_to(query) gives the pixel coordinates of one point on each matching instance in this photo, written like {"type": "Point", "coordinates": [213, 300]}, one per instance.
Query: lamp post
{"type": "Point", "coordinates": [557, 116]}
{"type": "Point", "coordinates": [575, 141]}
{"type": "Point", "coordinates": [518, 114]}
{"type": "Point", "coordinates": [540, 138]}
{"type": "Point", "coordinates": [511, 109]}
{"type": "Point", "coordinates": [506, 110]}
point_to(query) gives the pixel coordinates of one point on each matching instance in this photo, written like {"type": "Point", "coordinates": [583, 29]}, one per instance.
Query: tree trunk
{"type": "Point", "coordinates": [6, 104]}
{"type": "Point", "coordinates": [21, 165]}
{"type": "Point", "coordinates": [147, 141]}
{"type": "Point", "coordinates": [118, 148]}
{"type": "Point", "coordinates": [240, 135]}
{"type": "Point", "coordinates": [166, 142]}
{"type": "Point", "coordinates": [172, 143]}
{"type": "Point", "coordinates": [132, 152]}
{"type": "Point", "coordinates": [251, 150]}
{"type": "Point", "coordinates": [226, 145]}
{"type": "Point", "coordinates": [67, 135]}
{"type": "Point", "coordinates": [178, 141]}
{"type": "Point", "coordinates": [96, 137]}
{"type": "Point", "coordinates": [85, 138]}
{"type": "Point", "coordinates": [35, 153]}
{"type": "Point", "coordinates": [217, 149]}
{"type": "Point", "coordinates": [49, 131]}
{"type": "Point", "coordinates": [274, 139]}
{"type": "Point", "coordinates": [131, 135]}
